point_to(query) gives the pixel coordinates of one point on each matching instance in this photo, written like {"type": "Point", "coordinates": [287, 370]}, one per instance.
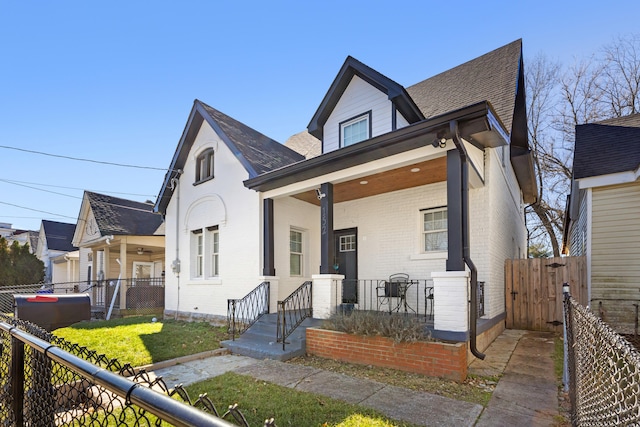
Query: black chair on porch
{"type": "Point", "coordinates": [393, 292]}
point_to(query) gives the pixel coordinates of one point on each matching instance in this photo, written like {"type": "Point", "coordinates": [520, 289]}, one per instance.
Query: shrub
{"type": "Point", "coordinates": [398, 327]}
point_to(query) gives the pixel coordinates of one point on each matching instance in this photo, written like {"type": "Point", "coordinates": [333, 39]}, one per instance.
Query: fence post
{"type": "Point", "coordinates": [17, 380]}
{"type": "Point", "coordinates": [565, 367]}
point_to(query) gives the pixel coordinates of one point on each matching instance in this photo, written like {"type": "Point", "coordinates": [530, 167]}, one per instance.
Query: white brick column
{"type": "Point", "coordinates": [274, 284]}
{"type": "Point", "coordinates": [451, 302]}
{"type": "Point", "coordinates": [325, 293]}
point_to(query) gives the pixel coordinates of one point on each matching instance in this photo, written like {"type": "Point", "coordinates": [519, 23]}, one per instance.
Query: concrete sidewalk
{"type": "Point", "coordinates": [526, 393]}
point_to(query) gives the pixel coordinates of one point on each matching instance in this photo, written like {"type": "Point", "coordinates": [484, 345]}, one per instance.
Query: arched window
{"type": "Point", "coordinates": [204, 166]}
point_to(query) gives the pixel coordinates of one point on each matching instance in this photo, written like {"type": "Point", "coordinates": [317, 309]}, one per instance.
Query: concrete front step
{"type": "Point", "coordinates": [259, 341]}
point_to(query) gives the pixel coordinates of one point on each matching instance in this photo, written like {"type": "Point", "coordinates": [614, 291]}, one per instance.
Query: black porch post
{"type": "Point", "coordinates": [455, 259]}
{"type": "Point", "coordinates": [269, 268]}
{"type": "Point", "coordinates": [327, 246]}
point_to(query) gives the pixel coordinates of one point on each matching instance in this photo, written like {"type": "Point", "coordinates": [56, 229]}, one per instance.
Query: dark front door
{"type": "Point", "coordinates": [347, 262]}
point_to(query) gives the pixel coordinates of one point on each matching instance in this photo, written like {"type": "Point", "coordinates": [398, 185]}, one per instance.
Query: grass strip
{"type": "Point", "coordinates": [259, 400]}
{"type": "Point", "coordinates": [139, 341]}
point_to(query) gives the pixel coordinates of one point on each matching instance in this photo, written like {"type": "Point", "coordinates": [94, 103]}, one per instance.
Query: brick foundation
{"type": "Point", "coordinates": [428, 358]}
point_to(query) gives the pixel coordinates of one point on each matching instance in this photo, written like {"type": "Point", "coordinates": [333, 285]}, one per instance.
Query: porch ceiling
{"type": "Point", "coordinates": [430, 171]}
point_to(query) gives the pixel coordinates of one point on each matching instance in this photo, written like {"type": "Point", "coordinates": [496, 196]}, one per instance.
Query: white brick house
{"type": "Point", "coordinates": [399, 175]}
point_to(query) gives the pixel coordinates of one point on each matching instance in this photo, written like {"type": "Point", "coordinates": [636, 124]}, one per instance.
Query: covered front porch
{"type": "Point", "coordinates": [397, 203]}
{"type": "Point", "coordinates": [125, 274]}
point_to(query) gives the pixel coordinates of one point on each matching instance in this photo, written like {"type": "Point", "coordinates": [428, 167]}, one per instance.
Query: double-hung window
{"type": "Point", "coordinates": [204, 166]}
{"type": "Point", "coordinates": [205, 249]}
{"type": "Point", "coordinates": [434, 229]}
{"type": "Point", "coordinates": [355, 129]}
{"type": "Point", "coordinates": [295, 253]}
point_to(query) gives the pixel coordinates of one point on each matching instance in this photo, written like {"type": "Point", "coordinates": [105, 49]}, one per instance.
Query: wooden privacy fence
{"type": "Point", "coordinates": [534, 291]}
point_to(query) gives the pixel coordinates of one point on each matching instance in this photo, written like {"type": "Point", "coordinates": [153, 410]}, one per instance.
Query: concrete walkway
{"type": "Point", "coordinates": [525, 395]}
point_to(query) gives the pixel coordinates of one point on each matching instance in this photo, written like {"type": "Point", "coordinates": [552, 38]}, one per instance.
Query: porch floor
{"type": "Point", "coordinates": [259, 341]}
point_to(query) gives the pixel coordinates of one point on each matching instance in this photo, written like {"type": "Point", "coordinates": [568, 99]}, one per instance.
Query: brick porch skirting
{"type": "Point", "coordinates": [434, 359]}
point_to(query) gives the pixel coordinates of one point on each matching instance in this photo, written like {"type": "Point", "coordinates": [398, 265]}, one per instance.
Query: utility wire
{"type": "Point", "coordinates": [39, 189]}
{"type": "Point", "coordinates": [83, 160]}
{"type": "Point", "coordinates": [36, 210]}
{"type": "Point", "coordinates": [11, 181]}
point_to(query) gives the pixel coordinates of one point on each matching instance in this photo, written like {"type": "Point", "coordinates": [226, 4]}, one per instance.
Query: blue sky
{"type": "Point", "coordinates": [115, 81]}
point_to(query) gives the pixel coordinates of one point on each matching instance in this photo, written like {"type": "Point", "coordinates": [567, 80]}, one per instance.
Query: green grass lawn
{"type": "Point", "coordinates": [259, 400]}
{"type": "Point", "coordinates": [139, 341]}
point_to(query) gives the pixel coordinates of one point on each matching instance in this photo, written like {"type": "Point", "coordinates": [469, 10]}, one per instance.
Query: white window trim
{"type": "Point", "coordinates": [353, 120]}
{"type": "Point", "coordinates": [206, 233]}
{"type": "Point", "coordinates": [423, 251]}
{"type": "Point", "coordinates": [302, 253]}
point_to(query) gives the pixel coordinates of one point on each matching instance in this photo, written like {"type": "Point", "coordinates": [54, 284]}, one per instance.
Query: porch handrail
{"type": "Point", "coordinates": [293, 310]}
{"type": "Point", "coordinates": [244, 312]}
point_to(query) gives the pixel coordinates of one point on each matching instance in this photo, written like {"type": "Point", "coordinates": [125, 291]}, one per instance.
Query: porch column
{"type": "Point", "coordinates": [268, 262]}
{"type": "Point", "coordinates": [274, 286]}
{"type": "Point", "coordinates": [455, 248]}
{"type": "Point", "coordinates": [123, 275]}
{"type": "Point", "coordinates": [451, 305]}
{"type": "Point", "coordinates": [326, 293]}
{"type": "Point", "coordinates": [327, 245]}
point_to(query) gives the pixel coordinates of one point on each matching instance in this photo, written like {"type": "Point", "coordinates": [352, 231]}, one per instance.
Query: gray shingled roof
{"type": "Point", "coordinates": [491, 77]}
{"type": "Point", "coordinates": [256, 152]}
{"type": "Point", "coordinates": [59, 235]}
{"type": "Point", "coordinates": [123, 217]}
{"type": "Point", "coordinates": [261, 153]}
{"type": "Point", "coordinates": [606, 147]}
{"type": "Point", "coordinates": [304, 143]}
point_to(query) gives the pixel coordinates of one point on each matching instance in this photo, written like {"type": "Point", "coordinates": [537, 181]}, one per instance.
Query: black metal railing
{"type": "Point", "coordinates": [414, 297]}
{"type": "Point", "coordinates": [140, 293]}
{"type": "Point", "coordinates": [293, 310]}
{"type": "Point", "coordinates": [47, 381]}
{"type": "Point", "coordinates": [244, 312]}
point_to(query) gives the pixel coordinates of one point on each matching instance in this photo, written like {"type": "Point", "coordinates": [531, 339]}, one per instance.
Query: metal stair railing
{"type": "Point", "coordinates": [292, 311]}
{"type": "Point", "coordinates": [244, 312]}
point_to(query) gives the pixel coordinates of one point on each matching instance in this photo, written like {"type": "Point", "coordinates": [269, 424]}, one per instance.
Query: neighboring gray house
{"type": "Point", "coordinates": [602, 220]}
{"type": "Point", "coordinates": [53, 244]}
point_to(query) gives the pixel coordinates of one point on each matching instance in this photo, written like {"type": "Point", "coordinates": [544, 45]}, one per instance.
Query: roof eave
{"type": "Point", "coordinates": [474, 126]}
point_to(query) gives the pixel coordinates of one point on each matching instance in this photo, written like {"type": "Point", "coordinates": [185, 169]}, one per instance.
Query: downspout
{"type": "Point", "coordinates": [175, 266]}
{"type": "Point", "coordinates": [473, 312]}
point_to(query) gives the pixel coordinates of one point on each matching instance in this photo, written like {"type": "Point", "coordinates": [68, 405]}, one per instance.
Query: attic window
{"type": "Point", "coordinates": [204, 166]}
{"type": "Point", "coordinates": [355, 129]}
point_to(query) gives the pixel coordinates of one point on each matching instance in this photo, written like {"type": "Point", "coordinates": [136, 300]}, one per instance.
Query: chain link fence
{"type": "Point", "coordinates": [603, 368]}
{"type": "Point", "coordinates": [47, 381]}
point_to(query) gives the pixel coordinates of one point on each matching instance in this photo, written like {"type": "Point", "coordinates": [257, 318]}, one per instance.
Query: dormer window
{"type": "Point", "coordinates": [204, 166]}
{"type": "Point", "coordinates": [355, 129]}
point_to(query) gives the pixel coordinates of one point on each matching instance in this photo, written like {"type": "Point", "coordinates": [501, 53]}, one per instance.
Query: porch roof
{"type": "Point", "coordinates": [477, 123]}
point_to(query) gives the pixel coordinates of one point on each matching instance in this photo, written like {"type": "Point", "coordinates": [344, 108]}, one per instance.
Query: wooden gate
{"type": "Point", "coordinates": [534, 291]}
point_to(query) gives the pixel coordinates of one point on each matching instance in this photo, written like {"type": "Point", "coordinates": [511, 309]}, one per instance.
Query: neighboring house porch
{"type": "Point", "coordinates": [121, 245]}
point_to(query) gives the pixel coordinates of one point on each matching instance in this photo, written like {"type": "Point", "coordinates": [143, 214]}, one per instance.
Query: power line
{"type": "Point", "coordinates": [83, 160]}
{"type": "Point", "coordinates": [39, 189]}
{"type": "Point", "coordinates": [12, 181]}
{"type": "Point", "coordinates": [37, 210]}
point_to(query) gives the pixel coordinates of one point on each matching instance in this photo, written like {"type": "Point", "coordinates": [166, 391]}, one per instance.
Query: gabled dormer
{"type": "Point", "coordinates": [361, 104]}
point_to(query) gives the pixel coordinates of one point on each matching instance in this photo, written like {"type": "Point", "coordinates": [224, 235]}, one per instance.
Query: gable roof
{"type": "Point", "coordinates": [352, 67]}
{"type": "Point", "coordinates": [256, 152]}
{"type": "Point", "coordinates": [492, 77]}
{"type": "Point", "coordinates": [59, 235]}
{"type": "Point", "coordinates": [304, 143]}
{"type": "Point", "coordinates": [123, 217]}
{"type": "Point", "coordinates": [606, 147]}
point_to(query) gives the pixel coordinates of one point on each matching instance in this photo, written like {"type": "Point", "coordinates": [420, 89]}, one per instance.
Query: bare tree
{"type": "Point", "coordinates": [544, 223]}
{"type": "Point", "coordinates": [621, 76]}
{"type": "Point", "coordinates": [599, 88]}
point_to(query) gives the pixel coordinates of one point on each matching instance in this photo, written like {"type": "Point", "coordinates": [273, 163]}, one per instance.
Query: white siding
{"type": "Point", "coordinates": [358, 98]}
{"type": "Point", "coordinates": [225, 202]}
{"type": "Point", "coordinates": [615, 253]}
{"type": "Point", "coordinates": [498, 228]}
{"type": "Point", "coordinates": [292, 213]}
